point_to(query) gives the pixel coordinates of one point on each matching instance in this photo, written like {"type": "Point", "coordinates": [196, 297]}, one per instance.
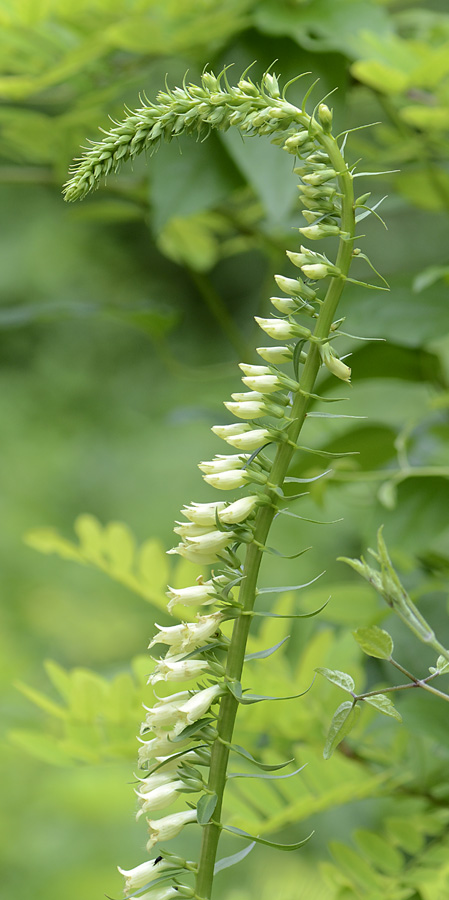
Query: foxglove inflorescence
{"type": "Point", "coordinates": [186, 737]}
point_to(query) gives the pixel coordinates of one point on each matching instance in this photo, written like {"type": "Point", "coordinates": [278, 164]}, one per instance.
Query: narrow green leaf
{"type": "Point", "coordinates": [265, 777]}
{"type": "Point", "coordinates": [341, 679]}
{"type": "Point", "coordinates": [240, 751]}
{"type": "Point", "coordinates": [229, 861]}
{"type": "Point", "coordinates": [270, 615]}
{"type": "Point", "coordinates": [290, 479]}
{"type": "Point", "coordinates": [291, 587]}
{"type": "Point", "coordinates": [342, 723]}
{"type": "Point", "coordinates": [205, 808]}
{"type": "Point", "coordinates": [259, 840]}
{"type": "Point", "coordinates": [374, 641]}
{"type": "Point", "coordinates": [264, 654]}
{"type": "Point", "coordinates": [246, 699]}
{"type": "Point", "coordinates": [384, 705]}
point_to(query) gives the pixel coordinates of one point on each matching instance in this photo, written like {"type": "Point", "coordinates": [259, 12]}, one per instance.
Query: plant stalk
{"type": "Point", "coordinates": [264, 518]}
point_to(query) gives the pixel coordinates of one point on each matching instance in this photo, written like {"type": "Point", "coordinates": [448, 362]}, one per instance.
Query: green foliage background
{"type": "Point", "coordinates": [121, 321]}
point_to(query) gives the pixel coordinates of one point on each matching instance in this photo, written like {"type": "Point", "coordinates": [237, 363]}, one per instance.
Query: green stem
{"type": "Point", "coordinates": [236, 653]}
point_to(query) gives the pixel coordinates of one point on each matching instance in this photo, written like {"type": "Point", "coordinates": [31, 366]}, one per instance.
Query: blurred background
{"type": "Point", "coordinates": [122, 319]}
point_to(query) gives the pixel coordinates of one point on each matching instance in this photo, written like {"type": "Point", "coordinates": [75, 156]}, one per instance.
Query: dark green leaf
{"type": "Point", "coordinates": [291, 587]}
{"type": "Point", "coordinates": [191, 730]}
{"type": "Point", "coordinates": [265, 777]}
{"type": "Point", "coordinates": [205, 808]}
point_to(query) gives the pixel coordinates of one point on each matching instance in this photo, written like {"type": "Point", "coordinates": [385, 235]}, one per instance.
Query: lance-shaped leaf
{"type": "Point", "coordinates": [205, 808]}
{"type": "Point", "coordinates": [342, 723]}
{"type": "Point", "coordinates": [263, 654]}
{"type": "Point", "coordinates": [240, 751]}
{"type": "Point", "coordinates": [291, 587]}
{"type": "Point", "coordinates": [228, 861]}
{"type": "Point", "coordinates": [259, 840]}
{"type": "Point", "coordinates": [384, 705]}
{"type": "Point", "coordinates": [265, 777]}
{"type": "Point", "coordinates": [270, 615]}
{"type": "Point", "coordinates": [191, 730]}
{"type": "Point", "coordinates": [236, 690]}
{"type": "Point", "coordinates": [341, 679]}
{"type": "Point", "coordinates": [374, 641]}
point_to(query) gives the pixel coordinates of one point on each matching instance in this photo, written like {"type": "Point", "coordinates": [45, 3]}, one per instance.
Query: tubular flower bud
{"type": "Point", "coordinates": [185, 637]}
{"type": "Point", "coordinates": [325, 117]}
{"type": "Point", "coordinates": [224, 431]}
{"type": "Point", "coordinates": [315, 232]}
{"type": "Point", "coordinates": [158, 746]}
{"type": "Point", "coordinates": [251, 440]}
{"type": "Point", "coordinates": [213, 541]}
{"type": "Point", "coordinates": [255, 409]}
{"type": "Point", "coordinates": [196, 595]}
{"type": "Point", "coordinates": [158, 778]}
{"type": "Point", "coordinates": [334, 364]}
{"type": "Point", "coordinates": [279, 328]}
{"type": "Point", "coordinates": [239, 510]}
{"type": "Point", "coordinates": [297, 141]}
{"type": "Point", "coordinates": [320, 177]}
{"type": "Point", "coordinates": [228, 481]}
{"type": "Point", "coordinates": [190, 529]}
{"type": "Point", "coordinates": [203, 513]}
{"type": "Point", "coordinates": [255, 370]}
{"type": "Point", "coordinates": [317, 271]}
{"type": "Point", "coordinates": [161, 797]}
{"type": "Point", "coordinates": [199, 704]}
{"type": "Point", "coordinates": [168, 827]}
{"type": "Point", "coordinates": [140, 876]}
{"type": "Point", "coordinates": [275, 355]}
{"type": "Point", "coordinates": [265, 384]}
{"type": "Point", "coordinates": [284, 305]}
{"type": "Point", "coordinates": [294, 286]}
{"type": "Point", "coordinates": [176, 670]}
{"type": "Point", "coordinates": [222, 464]}
{"type": "Point", "coordinates": [163, 715]}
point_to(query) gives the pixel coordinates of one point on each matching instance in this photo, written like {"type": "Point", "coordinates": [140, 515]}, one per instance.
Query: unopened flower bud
{"type": "Point", "coordinates": [265, 384]}
{"type": "Point", "coordinates": [320, 177]}
{"type": "Point", "coordinates": [251, 440]}
{"type": "Point", "coordinates": [239, 510]}
{"type": "Point", "coordinates": [254, 370]}
{"type": "Point", "coordinates": [225, 431]}
{"type": "Point", "coordinates": [325, 117]}
{"type": "Point", "coordinates": [275, 355]}
{"type": "Point", "coordinates": [229, 481]}
{"type": "Point", "coordinates": [317, 271]}
{"type": "Point", "coordinates": [315, 232]}
{"type": "Point", "coordinates": [222, 463]}
{"type": "Point", "coordinates": [334, 364]}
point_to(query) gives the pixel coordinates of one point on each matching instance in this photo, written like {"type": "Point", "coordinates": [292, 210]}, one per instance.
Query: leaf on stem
{"type": "Point", "coordinates": [240, 751]}
{"type": "Point", "coordinates": [341, 679]}
{"type": "Point", "coordinates": [263, 654]}
{"type": "Point", "coordinates": [228, 861]}
{"type": "Point", "coordinates": [374, 641]}
{"type": "Point", "coordinates": [342, 723]}
{"type": "Point", "coordinates": [205, 808]}
{"type": "Point", "coordinates": [259, 840]}
{"type": "Point", "coordinates": [384, 705]}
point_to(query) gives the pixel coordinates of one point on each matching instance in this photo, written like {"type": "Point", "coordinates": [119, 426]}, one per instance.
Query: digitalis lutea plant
{"type": "Point", "coordinates": [186, 738]}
